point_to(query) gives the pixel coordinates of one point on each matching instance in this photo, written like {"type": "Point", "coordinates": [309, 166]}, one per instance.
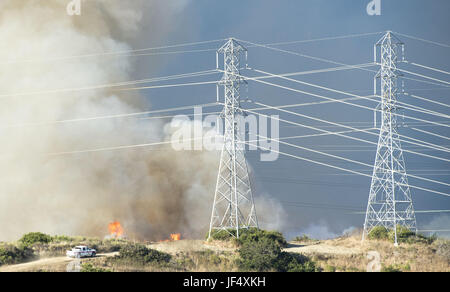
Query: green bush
{"type": "Point", "coordinates": [378, 232]}
{"type": "Point", "coordinates": [403, 234]}
{"type": "Point", "coordinates": [223, 235]}
{"type": "Point", "coordinates": [391, 269]}
{"type": "Point", "coordinates": [35, 237]}
{"type": "Point", "coordinates": [90, 268]}
{"type": "Point", "coordinates": [304, 238]}
{"type": "Point", "coordinates": [249, 235]}
{"type": "Point", "coordinates": [10, 254]}
{"type": "Point", "coordinates": [261, 255]}
{"type": "Point", "coordinates": [293, 262]}
{"type": "Point", "coordinates": [265, 254]}
{"type": "Point", "coordinates": [141, 254]}
{"type": "Point", "coordinates": [255, 235]}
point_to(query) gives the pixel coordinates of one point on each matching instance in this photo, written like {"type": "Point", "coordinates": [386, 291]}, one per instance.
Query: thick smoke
{"type": "Point", "coordinates": [152, 191]}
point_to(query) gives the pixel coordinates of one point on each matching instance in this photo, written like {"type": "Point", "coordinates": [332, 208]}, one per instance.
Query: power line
{"type": "Point", "coordinates": [416, 211]}
{"type": "Point", "coordinates": [417, 74]}
{"type": "Point", "coordinates": [348, 127]}
{"type": "Point", "coordinates": [338, 134]}
{"type": "Point", "coordinates": [424, 40]}
{"type": "Point", "coordinates": [125, 52]}
{"type": "Point", "coordinates": [129, 53]}
{"type": "Point", "coordinates": [308, 182]}
{"type": "Point", "coordinates": [127, 115]}
{"type": "Point", "coordinates": [428, 100]}
{"type": "Point", "coordinates": [337, 167]}
{"type": "Point", "coordinates": [333, 62]}
{"type": "Point", "coordinates": [348, 208]}
{"type": "Point", "coordinates": [429, 68]}
{"type": "Point", "coordinates": [344, 126]}
{"type": "Point", "coordinates": [173, 77]}
{"type": "Point", "coordinates": [430, 133]}
{"type": "Point", "coordinates": [320, 39]}
{"type": "Point", "coordinates": [438, 230]}
{"type": "Point", "coordinates": [346, 159]}
{"type": "Point", "coordinates": [122, 147]}
{"type": "Point", "coordinates": [120, 84]}
{"type": "Point", "coordinates": [329, 98]}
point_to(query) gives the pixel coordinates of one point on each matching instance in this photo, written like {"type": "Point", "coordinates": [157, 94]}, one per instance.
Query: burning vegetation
{"type": "Point", "coordinates": [175, 236]}
{"type": "Point", "coordinates": [115, 229]}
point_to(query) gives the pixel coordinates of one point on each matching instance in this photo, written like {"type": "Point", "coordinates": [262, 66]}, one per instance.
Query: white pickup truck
{"type": "Point", "coordinates": [81, 251]}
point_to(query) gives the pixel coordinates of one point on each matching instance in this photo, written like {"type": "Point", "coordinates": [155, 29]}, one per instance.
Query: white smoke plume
{"type": "Point", "coordinates": [441, 222]}
{"type": "Point", "coordinates": [322, 231]}
{"type": "Point", "coordinates": [152, 191]}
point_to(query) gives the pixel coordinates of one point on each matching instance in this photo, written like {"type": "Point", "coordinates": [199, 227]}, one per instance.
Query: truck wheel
{"type": "Point", "coordinates": [93, 254]}
{"type": "Point", "coordinates": [78, 255]}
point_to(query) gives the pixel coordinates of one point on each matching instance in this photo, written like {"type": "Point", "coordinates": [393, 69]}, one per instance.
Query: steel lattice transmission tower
{"type": "Point", "coordinates": [390, 203]}
{"type": "Point", "coordinates": [233, 206]}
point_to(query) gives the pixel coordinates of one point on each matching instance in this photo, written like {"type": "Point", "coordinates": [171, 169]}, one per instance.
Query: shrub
{"type": "Point", "coordinates": [261, 255]}
{"type": "Point", "coordinates": [292, 262]}
{"type": "Point", "coordinates": [223, 235]}
{"type": "Point", "coordinates": [304, 238]}
{"type": "Point", "coordinates": [255, 235]}
{"type": "Point", "coordinates": [391, 269]}
{"type": "Point", "coordinates": [90, 268]}
{"type": "Point", "coordinates": [35, 237]}
{"type": "Point", "coordinates": [249, 235]}
{"type": "Point", "coordinates": [419, 238]}
{"type": "Point", "coordinates": [403, 234]}
{"type": "Point", "coordinates": [265, 254]}
{"type": "Point", "coordinates": [378, 232]}
{"type": "Point", "coordinates": [10, 254]}
{"type": "Point", "coordinates": [141, 254]}
{"type": "Point", "coordinates": [62, 238]}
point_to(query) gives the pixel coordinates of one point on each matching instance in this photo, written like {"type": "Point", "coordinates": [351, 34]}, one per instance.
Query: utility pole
{"type": "Point", "coordinates": [390, 202]}
{"type": "Point", "coordinates": [233, 207]}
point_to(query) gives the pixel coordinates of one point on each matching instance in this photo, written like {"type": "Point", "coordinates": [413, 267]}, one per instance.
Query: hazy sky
{"type": "Point", "coordinates": [325, 197]}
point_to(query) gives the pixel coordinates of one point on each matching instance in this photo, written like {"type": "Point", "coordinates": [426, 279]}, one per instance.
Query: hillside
{"type": "Point", "coordinates": [344, 254]}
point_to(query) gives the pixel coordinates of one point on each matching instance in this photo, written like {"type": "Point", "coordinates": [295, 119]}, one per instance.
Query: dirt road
{"type": "Point", "coordinates": [56, 264]}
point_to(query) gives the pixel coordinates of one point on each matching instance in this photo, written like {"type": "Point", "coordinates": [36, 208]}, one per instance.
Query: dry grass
{"type": "Point", "coordinates": [350, 254]}
{"type": "Point", "coordinates": [175, 247]}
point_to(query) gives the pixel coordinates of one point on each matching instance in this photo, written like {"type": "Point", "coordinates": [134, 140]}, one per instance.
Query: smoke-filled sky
{"type": "Point", "coordinates": [155, 191]}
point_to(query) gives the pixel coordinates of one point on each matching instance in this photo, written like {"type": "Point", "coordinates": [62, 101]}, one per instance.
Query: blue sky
{"type": "Point", "coordinates": [325, 193]}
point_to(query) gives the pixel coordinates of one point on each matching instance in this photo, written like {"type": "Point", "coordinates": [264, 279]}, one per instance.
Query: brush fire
{"type": "Point", "coordinates": [175, 236]}
{"type": "Point", "coordinates": [115, 229]}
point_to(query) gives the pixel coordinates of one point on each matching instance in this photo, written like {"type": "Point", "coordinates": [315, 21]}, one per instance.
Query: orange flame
{"type": "Point", "coordinates": [175, 236]}
{"type": "Point", "coordinates": [115, 229]}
